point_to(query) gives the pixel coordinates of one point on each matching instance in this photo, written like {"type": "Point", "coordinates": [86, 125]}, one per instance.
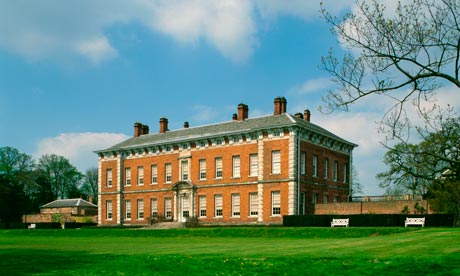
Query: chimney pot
{"type": "Point", "coordinates": [235, 117]}
{"type": "Point", "coordinates": [283, 105]}
{"type": "Point", "coordinates": [163, 125]}
{"type": "Point", "coordinates": [138, 129]}
{"type": "Point", "coordinates": [306, 115]}
{"type": "Point", "coordinates": [186, 125]}
{"type": "Point", "coordinates": [145, 129]}
{"type": "Point", "coordinates": [299, 115]}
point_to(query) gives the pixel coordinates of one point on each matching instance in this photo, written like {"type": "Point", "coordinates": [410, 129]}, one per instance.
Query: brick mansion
{"type": "Point", "coordinates": [243, 171]}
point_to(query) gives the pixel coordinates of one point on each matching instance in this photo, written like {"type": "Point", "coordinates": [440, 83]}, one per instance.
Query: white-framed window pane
{"type": "Point", "coordinates": [168, 208]}
{"type": "Point", "coordinates": [202, 169]}
{"type": "Point", "coordinates": [345, 173]}
{"type": "Point", "coordinates": [154, 207]}
{"type": "Point", "coordinates": [219, 167]}
{"type": "Point", "coordinates": [168, 173]}
{"type": "Point", "coordinates": [276, 203]}
{"type": "Point", "coordinates": [140, 209]}
{"type": "Point", "coordinates": [314, 198]}
{"type": "Point", "coordinates": [235, 205]}
{"type": "Point", "coordinates": [202, 202]}
{"type": "Point", "coordinates": [325, 199]}
{"type": "Point", "coordinates": [276, 162]}
{"type": "Point", "coordinates": [315, 165]}
{"type": "Point", "coordinates": [140, 175]}
{"type": "Point", "coordinates": [109, 177]}
{"type": "Point", "coordinates": [254, 165]}
{"type": "Point", "coordinates": [127, 176]}
{"type": "Point", "coordinates": [218, 206]}
{"type": "Point", "coordinates": [128, 209]}
{"type": "Point", "coordinates": [303, 161]}
{"type": "Point", "coordinates": [184, 170]}
{"type": "Point", "coordinates": [253, 204]}
{"type": "Point", "coordinates": [326, 168]}
{"type": "Point", "coordinates": [186, 206]}
{"type": "Point", "coordinates": [236, 166]}
{"type": "Point", "coordinates": [154, 174]}
{"type": "Point", "coordinates": [108, 207]}
{"type": "Point", "coordinates": [335, 171]}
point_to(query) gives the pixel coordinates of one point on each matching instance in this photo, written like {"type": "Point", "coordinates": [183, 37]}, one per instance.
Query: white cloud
{"type": "Point", "coordinates": [311, 86]}
{"type": "Point", "coordinates": [204, 114]}
{"type": "Point", "coordinates": [78, 147]}
{"type": "Point", "coordinates": [50, 29]}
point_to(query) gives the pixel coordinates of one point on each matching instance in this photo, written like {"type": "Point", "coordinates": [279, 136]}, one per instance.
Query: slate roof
{"type": "Point", "coordinates": [74, 202]}
{"type": "Point", "coordinates": [222, 129]}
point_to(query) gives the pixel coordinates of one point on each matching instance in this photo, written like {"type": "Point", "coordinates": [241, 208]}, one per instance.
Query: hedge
{"type": "Point", "coordinates": [367, 220]}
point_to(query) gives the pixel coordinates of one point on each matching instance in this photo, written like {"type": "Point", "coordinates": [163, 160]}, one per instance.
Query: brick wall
{"type": "Point", "coordinates": [381, 207]}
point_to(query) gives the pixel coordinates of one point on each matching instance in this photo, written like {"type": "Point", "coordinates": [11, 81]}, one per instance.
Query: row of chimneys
{"type": "Point", "coordinates": [280, 105]}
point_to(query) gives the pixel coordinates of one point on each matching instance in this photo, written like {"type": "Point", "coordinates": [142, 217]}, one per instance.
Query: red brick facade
{"type": "Point", "coordinates": [243, 171]}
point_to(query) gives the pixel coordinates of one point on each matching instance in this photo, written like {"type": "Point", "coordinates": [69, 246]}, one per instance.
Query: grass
{"type": "Point", "coordinates": [231, 251]}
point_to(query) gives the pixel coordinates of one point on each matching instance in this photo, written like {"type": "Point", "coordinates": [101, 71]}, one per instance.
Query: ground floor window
{"type": "Point", "coordinates": [202, 202]}
{"type": "Point", "coordinates": [154, 207]}
{"type": "Point", "coordinates": [186, 206]}
{"type": "Point", "coordinates": [276, 203]}
{"type": "Point", "coordinates": [235, 205]}
{"type": "Point", "coordinates": [168, 208]}
{"type": "Point", "coordinates": [253, 204]}
{"type": "Point", "coordinates": [218, 206]}
{"type": "Point", "coordinates": [128, 209]}
{"type": "Point", "coordinates": [108, 206]}
{"type": "Point", "coordinates": [140, 209]}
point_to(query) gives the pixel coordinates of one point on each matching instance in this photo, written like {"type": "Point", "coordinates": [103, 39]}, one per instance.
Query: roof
{"type": "Point", "coordinates": [221, 129]}
{"type": "Point", "coordinates": [74, 202]}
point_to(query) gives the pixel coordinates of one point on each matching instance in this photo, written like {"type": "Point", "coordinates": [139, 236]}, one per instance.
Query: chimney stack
{"type": "Point", "coordinates": [138, 130]}
{"type": "Point", "coordinates": [186, 125]}
{"type": "Point", "coordinates": [299, 115]}
{"type": "Point", "coordinates": [277, 106]}
{"type": "Point", "coordinates": [235, 117]}
{"type": "Point", "coordinates": [242, 112]}
{"type": "Point", "coordinates": [306, 115]}
{"type": "Point", "coordinates": [163, 125]}
{"type": "Point", "coordinates": [283, 105]}
{"type": "Point", "coordinates": [145, 129]}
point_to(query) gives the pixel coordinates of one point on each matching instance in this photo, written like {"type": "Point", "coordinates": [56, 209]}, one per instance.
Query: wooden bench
{"type": "Point", "coordinates": [31, 226]}
{"type": "Point", "coordinates": [414, 221]}
{"type": "Point", "coordinates": [340, 222]}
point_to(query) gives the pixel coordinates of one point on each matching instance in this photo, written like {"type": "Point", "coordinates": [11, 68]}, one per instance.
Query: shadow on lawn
{"type": "Point", "coordinates": [31, 261]}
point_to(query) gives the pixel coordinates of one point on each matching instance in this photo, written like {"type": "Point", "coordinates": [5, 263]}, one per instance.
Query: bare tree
{"type": "Point", "coordinates": [406, 56]}
{"type": "Point", "coordinates": [90, 183]}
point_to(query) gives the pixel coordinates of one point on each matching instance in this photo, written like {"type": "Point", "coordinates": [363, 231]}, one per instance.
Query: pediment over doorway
{"type": "Point", "coordinates": [183, 185]}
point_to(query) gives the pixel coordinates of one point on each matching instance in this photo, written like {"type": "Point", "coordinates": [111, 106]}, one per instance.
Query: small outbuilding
{"type": "Point", "coordinates": [72, 207]}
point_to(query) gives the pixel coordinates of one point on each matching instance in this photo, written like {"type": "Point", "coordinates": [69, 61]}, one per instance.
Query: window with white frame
{"type": "Point", "coordinates": [236, 166]}
{"type": "Point", "coordinates": [154, 174]}
{"type": "Point", "coordinates": [276, 203]}
{"type": "Point", "coordinates": [315, 166]}
{"type": "Point", "coordinates": [235, 205]}
{"type": "Point", "coordinates": [127, 176]}
{"type": "Point", "coordinates": [314, 198]}
{"type": "Point", "coordinates": [202, 169]}
{"type": "Point", "coordinates": [303, 161]}
{"type": "Point", "coordinates": [140, 209]}
{"type": "Point", "coordinates": [154, 207]}
{"type": "Point", "coordinates": [254, 165]}
{"type": "Point", "coordinates": [202, 203]}
{"type": "Point", "coordinates": [184, 170]}
{"type": "Point", "coordinates": [219, 167]}
{"type": "Point", "coordinates": [325, 199]}
{"type": "Point", "coordinates": [168, 172]}
{"type": "Point", "coordinates": [108, 175]}
{"type": "Point", "coordinates": [326, 168]}
{"type": "Point", "coordinates": [168, 208]}
{"type": "Point", "coordinates": [345, 173]}
{"type": "Point", "coordinates": [335, 170]}
{"type": "Point", "coordinates": [186, 206]}
{"type": "Point", "coordinates": [140, 175]}
{"type": "Point", "coordinates": [218, 212]}
{"type": "Point", "coordinates": [128, 209]}
{"type": "Point", "coordinates": [302, 203]}
{"type": "Point", "coordinates": [108, 208]}
{"type": "Point", "coordinates": [276, 162]}
{"type": "Point", "coordinates": [253, 204]}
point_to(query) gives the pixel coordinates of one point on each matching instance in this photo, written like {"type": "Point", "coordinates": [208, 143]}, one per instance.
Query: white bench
{"type": "Point", "coordinates": [414, 221]}
{"type": "Point", "coordinates": [340, 222]}
{"type": "Point", "coordinates": [31, 226]}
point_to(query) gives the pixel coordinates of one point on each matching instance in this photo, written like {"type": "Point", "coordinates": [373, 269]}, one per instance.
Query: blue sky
{"type": "Point", "coordinates": [76, 75]}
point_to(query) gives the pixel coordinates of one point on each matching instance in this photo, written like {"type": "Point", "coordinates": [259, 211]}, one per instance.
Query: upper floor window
{"type": "Point", "coordinates": [303, 161]}
{"type": "Point", "coordinates": [219, 167]}
{"type": "Point", "coordinates": [168, 173]}
{"type": "Point", "coordinates": [315, 165]}
{"type": "Point", "coordinates": [140, 175]}
{"type": "Point", "coordinates": [109, 177]}
{"type": "Point", "coordinates": [127, 176]}
{"type": "Point", "coordinates": [276, 162]}
{"type": "Point", "coordinates": [154, 174]}
{"type": "Point", "coordinates": [202, 169]}
{"type": "Point", "coordinates": [326, 168]}
{"type": "Point", "coordinates": [236, 166]}
{"type": "Point", "coordinates": [184, 170]}
{"type": "Point", "coordinates": [335, 170]}
{"type": "Point", "coordinates": [345, 173]}
{"type": "Point", "coordinates": [254, 165]}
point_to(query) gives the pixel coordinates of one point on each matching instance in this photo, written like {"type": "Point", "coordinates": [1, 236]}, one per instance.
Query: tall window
{"type": "Point", "coordinates": [276, 203]}
{"type": "Point", "coordinates": [127, 176]}
{"type": "Point", "coordinates": [326, 167]}
{"type": "Point", "coordinates": [218, 212]}
{"type": "Point", "coordinates": [253, 204]}
{"type": "Point", "coordinates": [154, 207]}
{"type": "Point", "coordinates": [302, 204]}
{"type": "Point", "coordinates": [184, 170]}
{"type": "Point", "coordinates": [168, 208]}
{"type": "Point", "coordinates": [236, 166]}
{"type": "Point", "coordinates": [276, 162]}
{"type": "Point", "coordinates": [128, 209]}
{"type": "Point", "coordinates": [254, 165]}
{"type": "Point", "coordinates": [219, 167]}
{"type": "Point", "coordinates": [336, 167]}
{"type": "Point", "coordinates": [314, 198]}
{"type": "Point", "coordinates": [202, 169]}
{"type": "Point", "coordinates": [154, 174]}
{"type": "Point", "coordinates": [109, 177]}
{"type": "Point", "coordinates": [235, 205]}
{"type": "Point", "coordinates": [168, 173]}
{"type": "Point", "coordinates": [108, 208]}
{"type": "Point", "coordinates": [303, 160]}
{"type": "Point", "coordinates": [315, 165]}
{"type": "Point", "coordinates": [345, 173]}
{"type": "Point", "coordinates": [186, 206]}
{"type": "Point", "coordinates": [202, 202]}
{"type": "Point", "coordinates": [140, 175]}
{"type": "Point", "coordinates": [140, 209]}
{"type": "Point", "coordinates": [325, 198]}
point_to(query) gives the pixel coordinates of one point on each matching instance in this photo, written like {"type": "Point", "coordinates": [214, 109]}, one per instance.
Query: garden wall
{"type": "Point", "coordinates": [371, 207]}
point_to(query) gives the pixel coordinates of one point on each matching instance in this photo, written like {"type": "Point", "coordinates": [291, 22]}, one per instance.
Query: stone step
{"type": "Point", "coordinates": [167, 225]}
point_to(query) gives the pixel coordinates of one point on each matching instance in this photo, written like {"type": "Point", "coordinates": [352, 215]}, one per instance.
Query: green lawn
{"type": "Point", "coordinates": [231, 251]}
